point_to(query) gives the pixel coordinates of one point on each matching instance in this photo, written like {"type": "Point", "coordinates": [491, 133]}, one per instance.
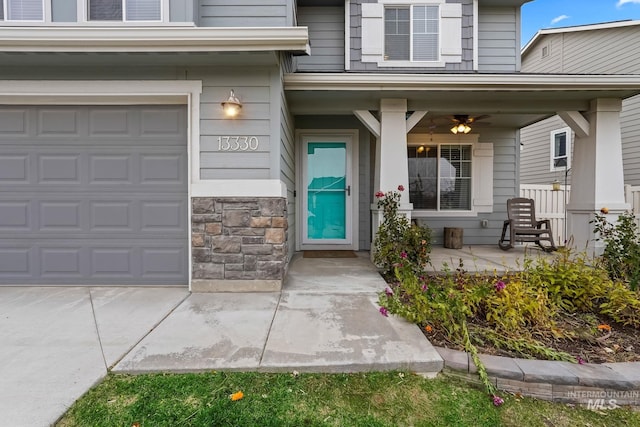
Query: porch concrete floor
{"type": "Point", "coordinates": [485, 257]}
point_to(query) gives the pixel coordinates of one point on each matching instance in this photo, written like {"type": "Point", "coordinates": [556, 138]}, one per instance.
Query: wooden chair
{"type": "Point", "coordinates": [523, 226]}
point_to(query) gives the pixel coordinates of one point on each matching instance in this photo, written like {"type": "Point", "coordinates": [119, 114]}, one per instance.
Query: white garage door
{"type": "Point", "coordinates": [93, 195]}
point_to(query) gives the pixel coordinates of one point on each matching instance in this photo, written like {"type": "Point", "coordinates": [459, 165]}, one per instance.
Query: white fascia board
{"type": "Point", "coordinates": [459, 82]}
{"type": "Point", "coordinates": [590, 27]}
{"type": "Point", "coordinates": [153, 39]}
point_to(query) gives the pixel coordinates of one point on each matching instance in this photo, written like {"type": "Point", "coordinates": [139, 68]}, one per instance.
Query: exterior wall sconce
{"type": "Point", "coordinates": [231, 106]}
{"type": "Point", "coordinates": [555, 185]}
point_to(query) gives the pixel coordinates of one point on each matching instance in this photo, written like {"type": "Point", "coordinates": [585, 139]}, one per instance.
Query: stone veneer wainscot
{"type": "Point", "coordinates": [238, 244]}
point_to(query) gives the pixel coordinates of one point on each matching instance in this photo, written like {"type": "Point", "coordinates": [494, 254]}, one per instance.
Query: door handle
{"type": "Point", "coordinates": [348, 190]}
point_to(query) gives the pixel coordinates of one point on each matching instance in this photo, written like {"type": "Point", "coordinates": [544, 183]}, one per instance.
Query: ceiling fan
{"type": "Point", "coordinates": [462, 122]}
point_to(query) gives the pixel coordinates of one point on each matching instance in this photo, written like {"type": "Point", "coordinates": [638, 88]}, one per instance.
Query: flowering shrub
{"type": "Point", "coordinates": [398, 242]}
{"type": "Point", "coordinates": [621, 257]}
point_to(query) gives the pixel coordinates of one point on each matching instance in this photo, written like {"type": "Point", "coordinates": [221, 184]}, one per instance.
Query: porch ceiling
{"type": "Point", "coordinates": [511, 100]}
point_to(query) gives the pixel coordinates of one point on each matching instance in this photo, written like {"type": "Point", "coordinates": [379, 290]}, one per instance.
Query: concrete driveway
{"type": "Point", "coordinates": [55, 343]}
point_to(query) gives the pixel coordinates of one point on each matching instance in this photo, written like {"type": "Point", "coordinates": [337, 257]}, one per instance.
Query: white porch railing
{"type": "Point", "coordinates": [551, 205]}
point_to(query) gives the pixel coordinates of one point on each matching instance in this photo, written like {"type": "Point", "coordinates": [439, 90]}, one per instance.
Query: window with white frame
{"type": "Point", "coordinates": [440, 177]}
{"type": "Point", "coordinates": [22, 10]}
{"type": "Point", "coordinates": [561, 149]}
{"type": "Point", "coordinates": [411, 33]}
{"type": "Point", "coordinates": [44, 11]}
{"type": "Point", "coordinates": [124, 10]}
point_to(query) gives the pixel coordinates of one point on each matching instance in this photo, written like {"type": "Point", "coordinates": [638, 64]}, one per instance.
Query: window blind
{"type": "Point", "coordinates": [426, 23]}
{"type": "Point", "coordinates": [143, 10]}
{"type": "Point", "coordinates": [397, 33]}
{"type": "Point", "coordinates": [105, 10]}
{"type": "Point", "coordinates": [25, 10]}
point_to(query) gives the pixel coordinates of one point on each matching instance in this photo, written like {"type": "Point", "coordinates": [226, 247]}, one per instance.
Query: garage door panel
{"type": "Point", "coordinates": [13, 121]}
{"type": "Point", "coordinates": [93, 195]}
{"type": "Point", "coordinates": [15, 262]}
{"type": "Point", "coordinates": [15, 215]}
{"type": "Point", "coordinates": [14, 168]}
{"type": "Point", "coordinates": [105, 169]}
{"type": "Point", "coordinates": [60, 262]}
{"type": "Point", "coordinates": [58, 122]}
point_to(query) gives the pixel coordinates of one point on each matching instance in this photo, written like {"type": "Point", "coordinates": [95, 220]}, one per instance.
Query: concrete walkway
{"type": "Point", "coordinates": [55, 343]}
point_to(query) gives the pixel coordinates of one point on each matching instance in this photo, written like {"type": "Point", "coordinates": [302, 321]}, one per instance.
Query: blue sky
{"type": "Point", "coordinates": [540, 14]}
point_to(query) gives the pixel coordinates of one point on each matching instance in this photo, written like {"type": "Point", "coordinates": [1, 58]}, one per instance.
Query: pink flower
{"type": "Point", "coordinates": [500, 286]}
{"type": "Point", "coordinates": [400, 187]}
{"type": "Point", "coordinates": [497, 400]}
{"type": "Point", "coordinates": [379, 195]}
{"type": "Point", "coordinates": [403, 254]}
{"type": "Point", "coordinates": [581, 361]}
{"type": "Point", "coordinates": [388, 291]}
{"type": "Point", "coordinates": [384, 312]}
{"type": "Point", "coordinates": [424, 288]}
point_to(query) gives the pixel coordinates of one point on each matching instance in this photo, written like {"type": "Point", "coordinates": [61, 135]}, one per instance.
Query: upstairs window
{"type": "Point", "coordinates": [561, 149]}
{"type": "Point", "coordinates": [412, 33]}
{"type": "Point", "coordinates": [125, 10]}
{"type": "Point", "coordinates": [22, 10]}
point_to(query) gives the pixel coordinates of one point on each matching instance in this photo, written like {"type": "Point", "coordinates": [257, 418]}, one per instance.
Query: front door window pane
{"type": "Point", "coordinates": [326, 190]}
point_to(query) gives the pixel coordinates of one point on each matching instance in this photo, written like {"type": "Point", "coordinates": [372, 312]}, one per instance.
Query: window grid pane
{"type": "Point", "coordinates": [143, 10]}
{"type": "Point", "coordinates": [105, 10]}
{"type": "Point", "coordinates": [25, 10]}
{"type": "Point", "coordinates": [397, 33]}
{"type": "Point", "coordinates": [426, 25]}
{"type": "Point", "coordinates": [455, 180]}
{"type": "Point", "coordinates": [423, 177]}
{"type": "Point", "coordinates": [560, 150]}
{"type": "Point", "coordinates": [1, 10]}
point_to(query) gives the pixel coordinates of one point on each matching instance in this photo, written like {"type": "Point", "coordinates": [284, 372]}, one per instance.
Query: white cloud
{"type": "Point", "coordinates": [623, 2]}
{"type": "Point", "coordinates": [563, 17]}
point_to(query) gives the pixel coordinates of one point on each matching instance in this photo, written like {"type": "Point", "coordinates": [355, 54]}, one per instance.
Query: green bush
{"type": "Point", "coordinates": [398, 241]}
{"type": "Point", "coordinates": [621, 255]}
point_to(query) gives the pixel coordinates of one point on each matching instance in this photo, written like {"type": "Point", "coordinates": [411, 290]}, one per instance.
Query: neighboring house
{"type": "Point", "coordinates": [605, 48]}
{"type": "Point", "coordinates": [118, 165]}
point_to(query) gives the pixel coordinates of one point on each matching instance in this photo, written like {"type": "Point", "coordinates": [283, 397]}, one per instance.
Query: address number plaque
{"type": "Point", "coordinates": [238, 143]}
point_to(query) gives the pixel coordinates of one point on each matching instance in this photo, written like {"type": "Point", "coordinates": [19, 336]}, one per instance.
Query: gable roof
{"type": "Point", "coordinates": [572, 29]}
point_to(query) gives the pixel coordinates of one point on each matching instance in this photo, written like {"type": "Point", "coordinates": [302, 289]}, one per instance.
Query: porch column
{"type": "Point", "coordinates": [391, 166]}
{"type": "Point", "coordinates": [597, 179]}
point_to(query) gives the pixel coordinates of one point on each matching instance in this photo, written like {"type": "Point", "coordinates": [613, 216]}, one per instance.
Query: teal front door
{"type": "Point", "coordinates": [327, 191]}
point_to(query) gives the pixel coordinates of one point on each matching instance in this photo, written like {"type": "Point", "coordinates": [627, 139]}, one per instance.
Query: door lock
{"type": "Point", "coordinates": [348, 190]}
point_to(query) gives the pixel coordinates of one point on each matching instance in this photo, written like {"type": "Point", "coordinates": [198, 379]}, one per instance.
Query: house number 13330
{"type": "Point", "coordinates": [238, 143]}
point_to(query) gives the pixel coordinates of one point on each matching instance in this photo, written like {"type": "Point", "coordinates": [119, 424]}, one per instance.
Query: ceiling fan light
{"type": "Point", "coordinates": [454, 130]}
{"type": "Point", "coordinates": [467, 129]}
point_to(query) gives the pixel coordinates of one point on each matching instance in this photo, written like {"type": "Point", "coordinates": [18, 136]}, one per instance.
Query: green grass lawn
{"type": "Point", "coordinates": [372, 399]}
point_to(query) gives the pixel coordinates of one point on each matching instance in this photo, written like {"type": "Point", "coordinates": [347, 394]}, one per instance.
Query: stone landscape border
{"type": "Point", "coordinates": [596, 386]}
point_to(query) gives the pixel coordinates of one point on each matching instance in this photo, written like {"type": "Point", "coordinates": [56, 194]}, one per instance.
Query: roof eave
{"type": "Point", "coordinates": [153, 39]}
{"type": "Point", "coordinates": [459, 82]}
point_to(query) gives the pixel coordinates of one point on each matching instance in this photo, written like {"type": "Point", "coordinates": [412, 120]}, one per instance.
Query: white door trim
{"type": "Point", "coordinates": [120, 92]}
{"type": "Point", "coordinates": [350, 135]}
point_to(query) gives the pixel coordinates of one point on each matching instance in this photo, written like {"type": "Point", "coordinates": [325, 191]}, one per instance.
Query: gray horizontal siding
{"type": "Point", "coordinates": [326, 37]}
{"type": "Point", "coordinates": [535, 62]}
{"type": "Point", "coordinates": [252, 86]}
{"type": "Point", "coordinates": [288, 167]}
{"type": "Point", "coordinates": [243, 13]}
{"type": "Point", "coordinates": [631, 139]}
{"type": "Point", "coordinates": [498, 39]}
{"type": "Point", "coordinates": [535, 163]}
{"type": "Point", "coordinates": [505, 186]}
